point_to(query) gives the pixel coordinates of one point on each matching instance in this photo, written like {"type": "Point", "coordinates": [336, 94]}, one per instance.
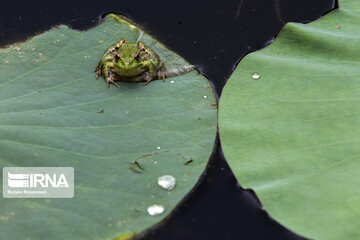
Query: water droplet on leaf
{"type": "Point", "coordinates": [155, 210]}
{"type": "Point", "coordinates": [255, 75]}
{"type": "Point", "coordinates": [167, 182]}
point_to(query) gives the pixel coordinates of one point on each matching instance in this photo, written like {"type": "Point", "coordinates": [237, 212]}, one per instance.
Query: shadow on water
{"type": "Point", "coordinates": [214, 36]}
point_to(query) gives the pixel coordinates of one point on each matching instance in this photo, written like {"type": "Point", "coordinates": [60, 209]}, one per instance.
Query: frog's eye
{"type": "Point", "coordinates": [136, 57]}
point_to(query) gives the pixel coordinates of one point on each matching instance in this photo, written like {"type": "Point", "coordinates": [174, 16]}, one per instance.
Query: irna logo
{"type": "Point", "coordinates": [38, 182]}
{"type": "Point", "coordinates": [16, 180]}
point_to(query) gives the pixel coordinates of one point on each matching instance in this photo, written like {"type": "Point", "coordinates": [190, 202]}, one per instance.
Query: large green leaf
{"type": "Point", "coordinates": [54, 113]}
{"type": "Point", "coordinates": [293, 134]}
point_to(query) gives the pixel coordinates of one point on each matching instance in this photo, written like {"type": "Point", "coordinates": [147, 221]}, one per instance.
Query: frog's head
{"type": "Point", "coordinates": [127, 57]}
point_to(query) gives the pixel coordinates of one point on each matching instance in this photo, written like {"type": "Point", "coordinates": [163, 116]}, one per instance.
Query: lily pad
{"type": "Point", "coordinates": [292, 132]}
{"type": "Point", "coordinates": [53, 113]}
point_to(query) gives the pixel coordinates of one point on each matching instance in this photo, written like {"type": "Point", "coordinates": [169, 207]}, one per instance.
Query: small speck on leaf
{"type": "Point", "coordinates": [189, 161]}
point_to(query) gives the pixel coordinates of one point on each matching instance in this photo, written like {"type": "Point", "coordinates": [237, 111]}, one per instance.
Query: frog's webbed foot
{"type": "Point", "coordinates": [109, 79]}
{"type": "Point", "coordinates": [147, 77]}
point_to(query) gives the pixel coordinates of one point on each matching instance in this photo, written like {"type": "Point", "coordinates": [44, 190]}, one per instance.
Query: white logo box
{"type": "Point", "coordinates": [38, 182]}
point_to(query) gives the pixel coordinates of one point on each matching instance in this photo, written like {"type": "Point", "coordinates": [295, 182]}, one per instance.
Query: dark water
{"type": "Point", "coordinates": [214, 35]}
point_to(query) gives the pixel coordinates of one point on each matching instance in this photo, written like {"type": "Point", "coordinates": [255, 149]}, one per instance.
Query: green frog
{"type": "Point", "coordinates": [133, 62]}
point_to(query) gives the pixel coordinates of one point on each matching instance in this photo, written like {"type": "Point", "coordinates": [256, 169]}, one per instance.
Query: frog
{"type": "Point", "coordinates": [133, 62]}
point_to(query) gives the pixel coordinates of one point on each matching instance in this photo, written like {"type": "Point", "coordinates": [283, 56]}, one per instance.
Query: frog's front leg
{"type": "Point", "coordinates": [149, 75]}
{"type": "Point", "coordinates": [108, 75]}
{"type": "Point", "coordinates": [100, 67]}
